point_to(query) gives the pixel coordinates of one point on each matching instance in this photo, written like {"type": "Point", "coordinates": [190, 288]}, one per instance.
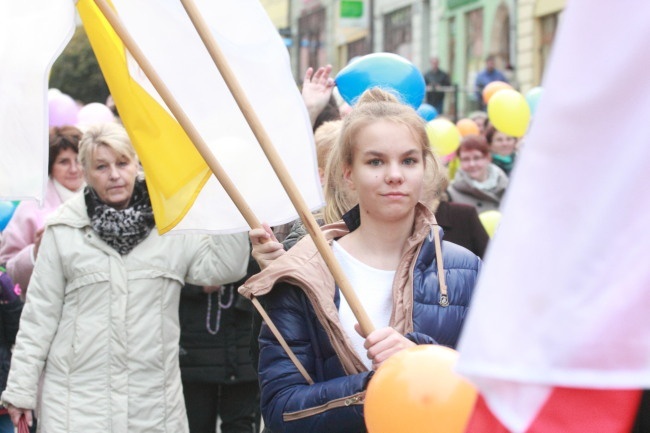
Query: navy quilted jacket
{"type": "Point", "coordinates": [334, 403]}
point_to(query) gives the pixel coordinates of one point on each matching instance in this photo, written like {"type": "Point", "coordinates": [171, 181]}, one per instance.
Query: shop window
{"type": "Point", "coordinates": [357, 48]}
{"type": "Point", "coordinates": [548, 27]}
{"type": "Point", "coordinates": [398, 30]}
{"type": "Point", "coordinates": [311, 36]}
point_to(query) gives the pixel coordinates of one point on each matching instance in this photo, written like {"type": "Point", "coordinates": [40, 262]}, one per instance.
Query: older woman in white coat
{"type": "Point", "coordinates": [101, 319]}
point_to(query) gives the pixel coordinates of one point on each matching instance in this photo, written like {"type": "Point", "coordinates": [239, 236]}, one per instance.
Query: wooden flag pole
{"type": "Point", "coordinates": [278, 166]}
{"type": "Point", "coordinates": [179, 114]}
{"type": "Point", "coordinates": [222, 177]}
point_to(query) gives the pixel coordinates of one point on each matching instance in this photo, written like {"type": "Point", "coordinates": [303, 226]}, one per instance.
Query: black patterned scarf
{"type": "Point", "coordinates": [121, 229]}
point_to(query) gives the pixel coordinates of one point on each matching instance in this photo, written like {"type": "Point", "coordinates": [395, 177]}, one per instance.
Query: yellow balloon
{"type": "Point", "coordinates": [443, 135]}
{"type": "Point", "coordinates": [417, 390]}
{"type": "Point", "coordinates": [509, 112]}
{"type": "Point", "coordinates": [490, 220]}
{"type": "Point", "coordinates": [452, 167]}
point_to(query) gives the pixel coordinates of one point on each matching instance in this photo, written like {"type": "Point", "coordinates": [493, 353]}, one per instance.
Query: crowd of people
{"type": "Point", "coordinates": [122, 329]}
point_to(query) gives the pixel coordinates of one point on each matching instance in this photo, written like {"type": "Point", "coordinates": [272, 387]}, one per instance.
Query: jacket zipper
{"type": "Point", "coordinates": [355, 399]}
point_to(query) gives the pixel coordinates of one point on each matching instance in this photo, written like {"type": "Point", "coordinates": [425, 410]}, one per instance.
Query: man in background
{"type": "Point", "coordinates": [436, 78]}
{"type": "Point", "coordinates": [485, 77]}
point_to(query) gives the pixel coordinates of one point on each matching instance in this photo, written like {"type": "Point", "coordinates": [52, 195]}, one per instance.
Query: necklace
{"type": "Point", "coordinates": [231, 297]}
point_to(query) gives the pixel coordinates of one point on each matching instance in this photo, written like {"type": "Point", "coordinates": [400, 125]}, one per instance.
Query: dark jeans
{"type": "Point", "coordinates": [237, 405]}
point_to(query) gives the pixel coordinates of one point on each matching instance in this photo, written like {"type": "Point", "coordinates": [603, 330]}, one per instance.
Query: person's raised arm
{"type": "Point", "coordinates": [316, 90]}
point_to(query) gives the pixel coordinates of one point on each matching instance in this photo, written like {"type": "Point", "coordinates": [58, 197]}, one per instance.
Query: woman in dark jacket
{"type": "Point", "coordinates": [10, 308]}
{"type": "Point", "coordinates": [219, 380]}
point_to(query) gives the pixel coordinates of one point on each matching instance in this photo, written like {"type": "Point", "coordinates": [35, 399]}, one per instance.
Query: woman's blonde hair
{"type": "Point", "coordinates": [111, 135]}
{"type": "Point", "coordinates": [338, 197]}
{"type": "Point", "coordinates": [374, 105]}
{"type": "Point", "coordinates": [435, 183]}
{"type": "Point", "coordinates": [325, 138]}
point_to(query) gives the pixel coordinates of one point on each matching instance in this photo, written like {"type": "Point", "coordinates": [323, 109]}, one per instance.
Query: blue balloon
{"type": "Point", "coordinates": [532, 97]}
{"type": "Point", "coordinates": [7, 209]}
{"type": "Point", "coordinates": [427, 112]}
{"type": "Point", "coordinates": [386, 70]}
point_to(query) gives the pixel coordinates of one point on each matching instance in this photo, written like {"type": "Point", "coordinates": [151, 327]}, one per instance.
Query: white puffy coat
{"type": "Point", "coordinates": [103, 329]}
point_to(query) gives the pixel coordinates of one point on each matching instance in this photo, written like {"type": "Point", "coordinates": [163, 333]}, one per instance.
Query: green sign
{"type": "Point", "coordinates": [351, 8]}
{"type": "Point", "coordinates": [456, 3]}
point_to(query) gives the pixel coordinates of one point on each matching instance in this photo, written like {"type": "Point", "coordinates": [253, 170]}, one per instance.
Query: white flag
{"type": "Point", "coordinates": [564, 296]}
{"type": "Point", "coordinates": [259, 59]}
{"type": "Point", "coordinates": [32, 35]}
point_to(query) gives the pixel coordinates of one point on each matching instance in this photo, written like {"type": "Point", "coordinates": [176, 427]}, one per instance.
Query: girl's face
{"type": "Point", "coordinates": [503, 144]}
{"type": "Point", "coordinates": [67, 171]}
{"type": "Point", "coordinates": [387, 171]}
{"type": "Point", "coordinates": [475, 164]}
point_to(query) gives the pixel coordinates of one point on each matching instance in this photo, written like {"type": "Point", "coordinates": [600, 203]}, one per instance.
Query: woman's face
{"type": "Point", "coordinates": [387, 171]}
{"type": "Point", "coordinates": [112, 176]}
{"type": "Point", "coordinates": [480, 122]}
{"type": "Point", "coordinates": [475, 164]}
{"type": "Point", "coordinates": [503, 144]}
{"type": "Point", "coordinates": [67, 171]}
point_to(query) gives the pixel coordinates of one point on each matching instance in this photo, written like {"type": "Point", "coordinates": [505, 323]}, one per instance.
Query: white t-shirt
{"type": "Point", "coordinates": [373, 287]}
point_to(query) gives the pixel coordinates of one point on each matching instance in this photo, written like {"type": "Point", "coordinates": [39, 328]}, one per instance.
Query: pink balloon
{"type": "Point", "coordinates": [62, 109]}
{"type": "Point", "coordinates": [94, 112]}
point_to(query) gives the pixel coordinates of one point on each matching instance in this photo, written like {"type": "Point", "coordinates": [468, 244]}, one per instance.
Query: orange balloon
{"type": "Point", "coordinates": [492, 88]}
{"type": "Point", "coordinates": [416, 390]}
{"type": "Point", "coordinates": [467, 127]}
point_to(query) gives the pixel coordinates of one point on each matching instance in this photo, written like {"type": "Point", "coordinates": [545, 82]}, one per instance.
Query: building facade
{"type": "Point", "coordinates": [537, 24]}
{"type": "Point", "coordinates": [461, 33]}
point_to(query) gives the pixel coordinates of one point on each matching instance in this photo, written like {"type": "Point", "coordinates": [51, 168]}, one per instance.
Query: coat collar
{"type": "Point", "coordinates": [302, 266]}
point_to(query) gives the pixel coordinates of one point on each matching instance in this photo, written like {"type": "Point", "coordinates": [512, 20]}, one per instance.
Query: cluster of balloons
{"type": "Point", "coordinates": [417, 390]}
{"type": "Point", "coordinates": [63, 110]}
{"type": "Point", "coordinates": [508, 110]}
{"type": "Point", "coordinates": [395, 73]}
{"type": "Point", "coordinates": [7, 209]}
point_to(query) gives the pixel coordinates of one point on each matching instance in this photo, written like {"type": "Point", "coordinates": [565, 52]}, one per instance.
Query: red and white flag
{"type": "Point", "coordinates": [558, 338]}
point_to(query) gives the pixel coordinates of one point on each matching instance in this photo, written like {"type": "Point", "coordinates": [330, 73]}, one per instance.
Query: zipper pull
{"type": "Point", "coordinates": [353, 400]}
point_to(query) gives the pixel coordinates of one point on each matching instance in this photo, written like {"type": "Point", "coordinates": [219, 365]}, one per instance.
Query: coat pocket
{"type": "Point", "coordinates": [84, 313]}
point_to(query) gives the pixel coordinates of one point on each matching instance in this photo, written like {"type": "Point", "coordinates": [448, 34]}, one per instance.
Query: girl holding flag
{"type": "Point", "coordinates": [389, 247]}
